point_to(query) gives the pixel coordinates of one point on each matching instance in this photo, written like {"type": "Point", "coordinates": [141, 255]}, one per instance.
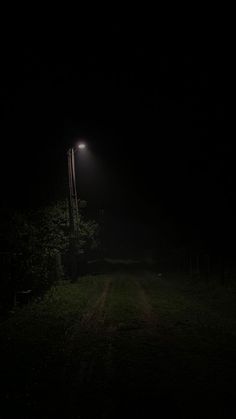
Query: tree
{"type": "Point", "coordinates": [39, 240]}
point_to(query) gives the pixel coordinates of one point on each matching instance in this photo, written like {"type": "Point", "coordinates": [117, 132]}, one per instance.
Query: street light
{"type": "Point", "coordinates": [73, 204]}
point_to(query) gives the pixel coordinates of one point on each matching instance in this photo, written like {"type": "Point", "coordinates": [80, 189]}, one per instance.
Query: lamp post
{"type": "Point", "coordinates": [73, 209]}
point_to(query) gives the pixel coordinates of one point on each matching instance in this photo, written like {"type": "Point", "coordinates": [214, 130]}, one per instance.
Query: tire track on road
{"type": "Point", "coordinates": [149, 317]}
{"type": "Point", "coordinates": [95, 317]}
{"type": "Point", "coordinates": [153, 324]}
{"type": "Point", "coordinates": [87, 342]}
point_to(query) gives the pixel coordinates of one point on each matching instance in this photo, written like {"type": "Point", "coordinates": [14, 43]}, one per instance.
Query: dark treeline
{"type": "Point", "coordinates": [35, 250]}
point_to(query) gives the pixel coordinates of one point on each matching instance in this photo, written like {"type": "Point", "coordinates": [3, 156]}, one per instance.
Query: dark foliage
{"type": "Point", "coordinates": [35, 245]}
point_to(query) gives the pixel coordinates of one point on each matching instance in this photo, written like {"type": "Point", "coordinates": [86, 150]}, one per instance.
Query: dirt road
{"type": "Point", "coordinates": [130, 345]}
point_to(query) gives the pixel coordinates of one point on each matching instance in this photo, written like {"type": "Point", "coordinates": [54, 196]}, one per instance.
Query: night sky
{"type": "Point", "coordinates": [159, 162]}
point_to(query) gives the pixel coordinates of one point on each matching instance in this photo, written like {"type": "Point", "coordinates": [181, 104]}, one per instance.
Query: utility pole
{"type": "Point", "coordinates": [73, 198]}
{"type": "Point", "coordinates": [73, 212]}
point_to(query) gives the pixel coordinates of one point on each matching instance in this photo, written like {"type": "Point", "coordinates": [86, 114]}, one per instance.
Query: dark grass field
{"type": "Point", "coordinates": [122, 345]}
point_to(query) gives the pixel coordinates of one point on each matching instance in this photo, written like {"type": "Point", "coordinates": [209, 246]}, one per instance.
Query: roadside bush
{"type": "Point", "coordinates": [38, 242]}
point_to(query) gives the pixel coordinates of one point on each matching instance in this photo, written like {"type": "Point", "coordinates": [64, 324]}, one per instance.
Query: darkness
{"type": "Point", "coordinates": [147, 318]}
{"type": "Point", "coordinates": [160, 160]}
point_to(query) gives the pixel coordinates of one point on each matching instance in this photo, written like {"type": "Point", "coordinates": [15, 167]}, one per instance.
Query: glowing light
{"type": "Point", "coordinates": [82, 146]}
